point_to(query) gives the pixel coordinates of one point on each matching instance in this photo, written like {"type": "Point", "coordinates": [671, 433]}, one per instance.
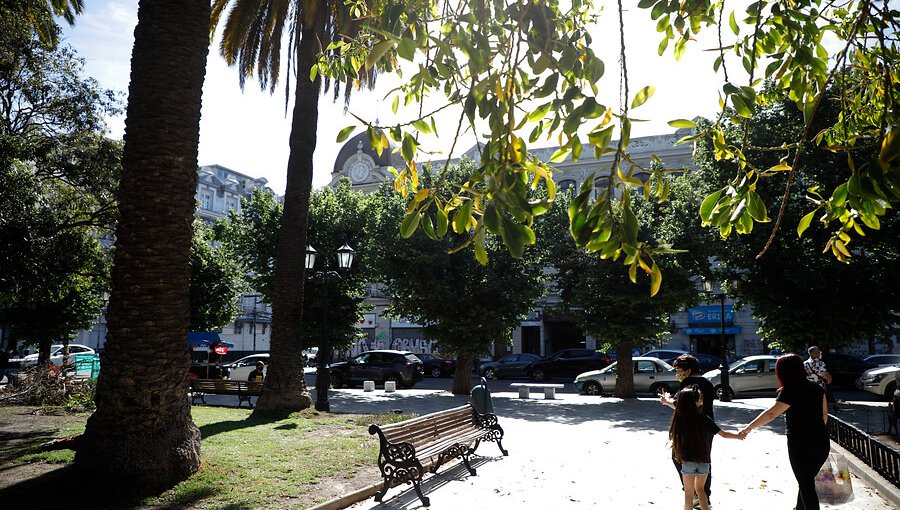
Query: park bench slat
{"type": "Point", "coordinates": [407, 447]}
{"type": "Point", "coordinates": [243, 389]}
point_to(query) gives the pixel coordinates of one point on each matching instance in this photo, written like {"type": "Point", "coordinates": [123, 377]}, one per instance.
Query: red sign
{"type": "Point", "coordinates": [221, 349]}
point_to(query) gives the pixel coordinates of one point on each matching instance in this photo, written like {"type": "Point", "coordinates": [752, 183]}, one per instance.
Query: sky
{"type": "Point", "coordinates": [248, 130]}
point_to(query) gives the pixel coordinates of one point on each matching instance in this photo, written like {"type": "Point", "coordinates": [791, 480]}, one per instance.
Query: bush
{"type": "Point", "coordinates": [48, 386]}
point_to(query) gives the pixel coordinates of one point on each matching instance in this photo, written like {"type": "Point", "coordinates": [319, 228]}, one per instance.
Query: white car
{"type": "Point", "coordinates": [650, 376]}
{"type": "Point", "coordinates": [56, 354]}
{"type": "Point", "coordinates": [240, 369]}
{"type": "Point", "coordinates": [880, 381]}
{"type": "Point", "coordinates": [884, 360]}
{"type": "Point", "coordinates": [751, 374]}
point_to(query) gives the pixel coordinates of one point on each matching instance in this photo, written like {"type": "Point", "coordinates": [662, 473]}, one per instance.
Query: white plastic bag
{"type": "Point", "coordinates": [833, 483]}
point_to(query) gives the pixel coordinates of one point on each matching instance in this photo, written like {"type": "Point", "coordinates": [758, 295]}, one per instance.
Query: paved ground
{"type": "Point", "coordinates": [582, 452]}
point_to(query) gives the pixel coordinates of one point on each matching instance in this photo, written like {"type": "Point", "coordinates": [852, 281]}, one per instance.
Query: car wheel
{"type": "Point", "coordinates": [337, 380]}
{"type": "Point", "coordinates": [720, 391]}
{"type": "Point", "coordinates": [538, 375]}
{"type": "Point", "coordinates": [436, 372]}
{"type": "Point", "coordinates": [592, 388]}
{"type": "Point", "coordinates": [490, 373]}
{"type": "Point", "coordinates": [889, 391]}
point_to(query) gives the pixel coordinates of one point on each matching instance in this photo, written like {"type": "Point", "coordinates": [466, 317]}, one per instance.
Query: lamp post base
{"type": "Point", "coordinates": [323, 406]}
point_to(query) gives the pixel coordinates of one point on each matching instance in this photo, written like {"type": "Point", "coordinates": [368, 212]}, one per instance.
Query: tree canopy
{"type": "Point", "coordinates": [523, 70]}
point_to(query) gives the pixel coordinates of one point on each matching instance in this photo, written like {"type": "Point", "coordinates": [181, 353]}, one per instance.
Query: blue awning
{"type": "Point", "coordinates": [196, 338]}
{"type": "Point", "coordinates": [729, 330]}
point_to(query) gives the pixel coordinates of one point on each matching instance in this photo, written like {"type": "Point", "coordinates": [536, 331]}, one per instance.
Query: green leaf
{"type": "Point", "coordinates": [642, 96]}
{"type": "Point", "coordinates": [422, 126]}
{"type": "Point", "coordinates": [410, 224]}
{"type": "Point", "coordinates": [480, 252]}
{"type": "Point", "coordinates": [406, 48]}
{"type": "Point", "coordinates": [804, 223]}
{"type": "Point", "coordinates": [757, 208]}
{"type": "Point", "coordinates": [733, 24]}
{"type": "Point", "coordinates": [345, 133]}
{"type": "Point", "coordinates": [377, 52]}
{"type": "Point", "coordinates": [559, 156]}
{"type": "Point", "coordinates": [890, 146]}
{"type": "Point", "coordinates": [442, 222]}
{"type": "Point", "coordinates": [463, 217]}
{"type": "Point", "coordinates": [706, 208]}
{"type": "Point", "coordinates": [395, 104]}
{"type": "Point", "coordinates": [428, 227]}
{"type": "Point", "coordinates": [682, 123]}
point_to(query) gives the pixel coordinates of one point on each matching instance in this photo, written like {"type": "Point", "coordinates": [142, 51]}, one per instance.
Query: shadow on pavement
{"type": "Point", "coordinates": [406, 498]}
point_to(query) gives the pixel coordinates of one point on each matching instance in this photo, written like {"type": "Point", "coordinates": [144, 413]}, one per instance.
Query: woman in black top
{"type": "Point", "coordinates": [806, 418]}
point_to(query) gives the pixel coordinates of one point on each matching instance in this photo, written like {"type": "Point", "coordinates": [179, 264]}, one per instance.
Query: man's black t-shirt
{"type": "Point", "coordinates": [804, 416]}
{"type": "Point", "coordinates": [706, 388]}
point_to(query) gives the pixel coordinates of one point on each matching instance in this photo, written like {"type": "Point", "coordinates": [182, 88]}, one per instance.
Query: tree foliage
{"type": "Point", "coordinates": [465, 305]}
{"type": "Point", "coordinates": [59, 176]}
{"type": "Point", "coordinates": [793, 289]}
{"type": "Point", "coordinates": [524, 70]}
{"type": "Point", "coordinates": [216, 282]}
{"type": "Point", "coordinates": [338, 216]}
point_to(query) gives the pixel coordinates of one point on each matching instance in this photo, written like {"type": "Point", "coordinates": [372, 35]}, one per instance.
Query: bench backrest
{"type": "Point", "coordinates": [226, 386]}
{"type": "Point", "coordinates": [427, 429]}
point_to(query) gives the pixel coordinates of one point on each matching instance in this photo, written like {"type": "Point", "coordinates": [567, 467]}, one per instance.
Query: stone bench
{"type": "Point", "coordinates": [549, 389]}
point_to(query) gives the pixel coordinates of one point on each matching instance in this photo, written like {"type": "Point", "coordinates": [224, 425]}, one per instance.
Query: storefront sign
{"type": "Point", "coordinates": [710, 315]}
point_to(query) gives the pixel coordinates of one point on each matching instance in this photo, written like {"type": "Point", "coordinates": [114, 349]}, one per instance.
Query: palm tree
{"type": "Point", "coordinates": [39, 14]}
{"type": "Point", "coordinates": [251, 41]}
{"type": "Point", "coordinates": [142, 429]}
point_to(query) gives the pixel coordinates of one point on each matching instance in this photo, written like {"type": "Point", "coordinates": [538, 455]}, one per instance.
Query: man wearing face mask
{"type": "Point", "coordinates": [687, 370]}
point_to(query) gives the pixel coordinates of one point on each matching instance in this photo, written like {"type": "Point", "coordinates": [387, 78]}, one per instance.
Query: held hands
{"type": "Point", "coordinates": [744, 431]}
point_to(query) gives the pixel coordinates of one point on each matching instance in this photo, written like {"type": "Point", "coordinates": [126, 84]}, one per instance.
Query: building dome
{"type": "Point", "coordinates": [359, 144]}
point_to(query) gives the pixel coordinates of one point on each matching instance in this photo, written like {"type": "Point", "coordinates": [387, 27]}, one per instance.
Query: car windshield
{"type": "Point", "coordinates": [412, 358]}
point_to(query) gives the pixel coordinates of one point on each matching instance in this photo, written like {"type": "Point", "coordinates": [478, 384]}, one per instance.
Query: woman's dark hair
{"type": "Point", "coordinates": [789, 370]}
{"type": "Point", "coordinates": [688, 363]}
{"type": "Point", "coordinates": [686, 431]}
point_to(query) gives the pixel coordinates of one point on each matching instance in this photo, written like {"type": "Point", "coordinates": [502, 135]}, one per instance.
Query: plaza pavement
{"type": "Point", "coordinates": [598, 452]}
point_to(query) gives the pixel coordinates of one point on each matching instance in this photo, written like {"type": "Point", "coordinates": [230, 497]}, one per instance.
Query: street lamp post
{"type": "Point", "coordinates": [709, 288]}
{"type": "Point", "coordinates": [323, 373]}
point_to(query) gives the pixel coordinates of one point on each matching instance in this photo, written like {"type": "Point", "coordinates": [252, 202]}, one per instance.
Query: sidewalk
{"type": "Point", "coordinates": [583, 452]}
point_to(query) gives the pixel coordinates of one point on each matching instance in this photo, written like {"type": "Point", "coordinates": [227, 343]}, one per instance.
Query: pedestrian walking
{"type": "Point", "coordinates": [691, 433]}
{"type": "Point", "coordinates": [806, 415]}
{"type": "Point", "coordinates": [687, 370]}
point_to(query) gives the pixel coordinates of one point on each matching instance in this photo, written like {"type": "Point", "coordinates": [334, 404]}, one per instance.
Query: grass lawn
{"type": "Point", "coordinates": [297, 462]}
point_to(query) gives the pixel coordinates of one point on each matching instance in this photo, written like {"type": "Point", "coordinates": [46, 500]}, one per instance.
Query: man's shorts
{"type": "Point", "coordinates": [695, 468]}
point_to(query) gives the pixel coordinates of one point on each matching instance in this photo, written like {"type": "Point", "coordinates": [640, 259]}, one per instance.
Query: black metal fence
{"type": "Point", "coordinates": [884, 459]}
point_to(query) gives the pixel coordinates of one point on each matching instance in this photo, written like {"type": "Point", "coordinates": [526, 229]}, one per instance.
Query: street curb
{"type": "Point", "coordinates": [859, 468]}
{"type": "Point", "coordinates": [349, 499]}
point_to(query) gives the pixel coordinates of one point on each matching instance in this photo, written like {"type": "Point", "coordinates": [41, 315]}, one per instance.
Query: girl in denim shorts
{"type": "Point", "coordinates": [690, 434]}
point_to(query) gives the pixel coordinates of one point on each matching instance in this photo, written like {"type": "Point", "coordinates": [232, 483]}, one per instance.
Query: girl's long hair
{"type": "Point", "coordinates": [687, 431]}
{"type": "Point", "coordinates": [790, 370]}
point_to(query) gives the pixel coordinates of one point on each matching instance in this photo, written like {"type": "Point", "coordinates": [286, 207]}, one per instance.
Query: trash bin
{"type": "Point", "coordinates": [481, 398]}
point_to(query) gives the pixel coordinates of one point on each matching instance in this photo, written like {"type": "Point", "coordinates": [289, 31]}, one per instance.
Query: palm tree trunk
{"type": "Point", "coordinates": [285, 388]}
{"type": "Point", "coordinates": [142, 429]}
{"type": "Point", "coordinates": [625, 377]}
{"type": "Point", "coordinates": [462, 379]}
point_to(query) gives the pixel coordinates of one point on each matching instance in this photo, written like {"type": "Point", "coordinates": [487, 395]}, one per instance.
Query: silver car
{"type": "Point", "coordinates": [751, 374]}
{"type": "Point", "coordinates": [650, 376]}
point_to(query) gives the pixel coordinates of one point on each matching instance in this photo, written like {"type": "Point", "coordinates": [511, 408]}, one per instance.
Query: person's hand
{"type": "Point", "coordinates": [744, 431]}
{"type": "Point", "coordinates": [664, 397]}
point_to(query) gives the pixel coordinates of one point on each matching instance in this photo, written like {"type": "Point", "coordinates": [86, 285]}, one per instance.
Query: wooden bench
{"type": "Point", "coordinates": [525, 389]}
{"type": "Point", "coordinates": [408, 447]}
{"type": "Point", "coordinates": [243, 389]}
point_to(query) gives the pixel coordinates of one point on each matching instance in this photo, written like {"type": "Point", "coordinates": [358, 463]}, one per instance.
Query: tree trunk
{"type": "Point", "coordinates": [462, 380]}
{"type": "Point", "coordinates": [285, 388]}
{"type": "Point", "coordinates": [142, 429]}
{"type": "Point", "coordinates": [625, 365]}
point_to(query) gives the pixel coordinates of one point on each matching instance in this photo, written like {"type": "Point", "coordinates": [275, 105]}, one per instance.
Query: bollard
{"type": "Point", "coordinates": [368, 385]}
{"type": "Point", "coordinates": [390, 386]}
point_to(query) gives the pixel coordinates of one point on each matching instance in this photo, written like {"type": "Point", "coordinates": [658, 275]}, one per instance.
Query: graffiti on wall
{"type": "Point", "coordinates": [416, 345]}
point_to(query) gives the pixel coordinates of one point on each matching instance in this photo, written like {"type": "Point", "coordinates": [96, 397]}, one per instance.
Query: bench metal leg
{"type": "Point", "coordinates": [524, 391]}
{"type": "Point", "coordinates": [380, 495]}
{"type": "Point", "coordinates": [468, 466]}
{"type": "Point", "coordinates": [425, 501]}
{"type": "Point", "coordinates": [244, 398]}
{"type": "Point", "coordinates": [550, 393]}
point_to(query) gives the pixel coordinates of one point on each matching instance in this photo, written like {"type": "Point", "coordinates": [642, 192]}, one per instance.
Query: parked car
{"type": "Point", "coordinates": [567, 363]}
{"type": "Point", "coordinates": [403, 367]}
{"type": "Point", "coordinates": [512, 365]}
{"type": "Point", "coordinates": [707, 361]}
{"type": "Point", "coordinates": [436, 365]}
{"type": "Point", "coordinates": [310, 356]}
{"type": "Point", "coordinates": [56, 354]}
{"type": "Point", "coordinates": [880, 381]}
{"type": "Point", "coordinates": [845, 369]}
{"type": "Point", "coordinates": [650, 376]}
{"type": "Point", "coordinates": [240, 369]}
{"type": "Point", "coordinates": [750, 374]}
{"type": "Point", "coordinates": [883, 360]}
